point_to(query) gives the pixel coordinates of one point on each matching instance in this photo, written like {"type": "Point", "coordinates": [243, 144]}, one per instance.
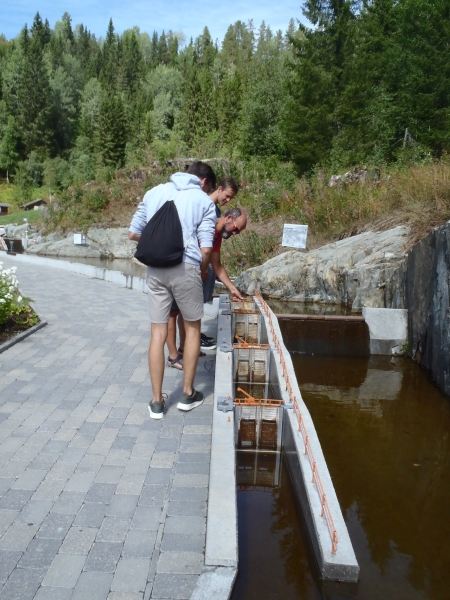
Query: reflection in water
{"type": "Point", "coordinates": [386, 444]}
{"type": "Point", "coordinates": [273, 560]}
{"type": "Point", "coordinates": [325, 338]}
{"type": "Point", "coordinates": [384, 429]}
{"type": "Point", "coordinates": [124, 265]}
{"type": "Point", "coordinates": [307, 308]}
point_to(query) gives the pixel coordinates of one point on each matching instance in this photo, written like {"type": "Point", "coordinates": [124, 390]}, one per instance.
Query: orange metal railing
{"type": "Point", "coordinates": [325, 511]}
{"type": "Point", "coordinates": [243, 344]}
{"type": "Point", "coordinates": [250, 401]}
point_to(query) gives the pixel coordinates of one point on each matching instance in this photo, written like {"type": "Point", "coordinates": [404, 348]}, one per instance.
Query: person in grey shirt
{"type": "Point", "coordinates": [183, 282]}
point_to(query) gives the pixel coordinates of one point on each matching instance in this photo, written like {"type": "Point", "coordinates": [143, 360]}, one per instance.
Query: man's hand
{"type": "Point", "coordinates": [135, 237]}
{"type": "Point", "coordinates": [235, 295]}
{"type": "Point", "coordinates": [204, 274]}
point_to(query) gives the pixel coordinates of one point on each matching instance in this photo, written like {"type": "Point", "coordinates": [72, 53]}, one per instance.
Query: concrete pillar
{"type": "Point", "coordinates": [388, 329]}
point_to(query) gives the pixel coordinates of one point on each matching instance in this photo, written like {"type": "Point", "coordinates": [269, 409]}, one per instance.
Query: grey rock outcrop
{"type": "Point", "coordinates": [101, 243]}
{"type": "Point", "coordinates": [66, 248]}
{"type": "Point", "coordinates": [427, 290]}
{"type": "Point", "coordinates": [114, 241]}
{"type": "Point", "coordinates": [365, 270]}
{"type": "Point", "coordinates": [16, 231]}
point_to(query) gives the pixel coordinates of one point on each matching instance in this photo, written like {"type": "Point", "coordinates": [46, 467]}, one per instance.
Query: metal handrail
{"type": "Point", "coordinates": [325, 508]}
{"type": "Point", "coordinates": [251, 401]}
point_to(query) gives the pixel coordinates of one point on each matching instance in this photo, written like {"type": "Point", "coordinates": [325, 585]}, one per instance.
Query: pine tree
{"type": "Point", "coordinates": [238, 46]}
{"type": "Point", "coordinates": [154, 60]}
{"type": "Point", "coordinates": [316, 81]}
{"type": "Point", "coordinates": [34, 98]}
{"type": "Point", "coordinates": [131, 67]}
{"type": "Point", "coordinates": [205, 49]}
{"type": "Point", "coordinates": [87, 51]}
{"type": "Point", "coordinates": [109, 59]}
{"type": "Point", "coordinates": [111, 131]}
{"type": "Point", "coordinates": [163, 50]}
{"type": "Point", "coordinates": [264, 102]}
{"type": "Point", "coordinates": [140, 120]}
{"type": "Point", "coordinates": [9, 155]}
{"type": "Point", "coordinates": [229, 106]}
{"type": "Point", "coordinates": [172, 42]}
{"type": "Point", "coordinates": [191, 105]}
{"type": "Point", "coordinates": [41, 31]}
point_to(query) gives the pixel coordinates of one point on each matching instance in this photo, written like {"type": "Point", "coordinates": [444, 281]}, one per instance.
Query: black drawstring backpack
{"type": "Point", "coordinates": [161, 243]}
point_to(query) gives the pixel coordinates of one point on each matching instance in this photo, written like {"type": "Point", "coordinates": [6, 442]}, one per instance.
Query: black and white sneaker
{"type": "Point", "coordinates": [207, 338]}
{"type": "Point", "coordinates": [189, 402]}
{"type": "Point", "coordinates": [207, 343]}
{"type": "Point", "coordinates": [156, 410]}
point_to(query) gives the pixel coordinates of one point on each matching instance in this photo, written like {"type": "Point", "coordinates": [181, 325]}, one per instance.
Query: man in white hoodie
{"type": "Point", "coordinates": [183, 282]}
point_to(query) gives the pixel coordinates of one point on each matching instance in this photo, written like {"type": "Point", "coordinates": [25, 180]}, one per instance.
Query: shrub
{"type": "Point", "coordinates": [249, 249]}
{"type": "Point", "coordinates": [95, 200]}
{"type": "Point", "coordinates": [12, 305]}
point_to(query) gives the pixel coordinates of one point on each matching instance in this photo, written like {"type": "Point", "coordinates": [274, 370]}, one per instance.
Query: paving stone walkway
{"type": "Point", "coordinates": [97, 501]}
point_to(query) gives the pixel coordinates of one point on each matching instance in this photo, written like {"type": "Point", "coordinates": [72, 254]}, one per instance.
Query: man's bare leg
{"type": "Point", "coordinates": [191, 352]}
{"type": "Point", "coordinates": [158, 337]}
{"type": "Point", "coordinates": [181, 331]}
{"type": "Point", "coordinates": [172, 334]}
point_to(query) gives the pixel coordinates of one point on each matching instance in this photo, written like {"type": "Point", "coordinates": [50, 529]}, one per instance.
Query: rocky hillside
{"type": "Point", "coordinates": [362, 270]}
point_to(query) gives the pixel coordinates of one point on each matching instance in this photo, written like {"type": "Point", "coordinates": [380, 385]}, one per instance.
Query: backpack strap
{"type": "Point", "coordinates": [173, 200]}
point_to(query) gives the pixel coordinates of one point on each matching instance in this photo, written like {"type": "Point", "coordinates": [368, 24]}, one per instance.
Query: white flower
{"type": "Point", "coordinates": [19, 299]}
{"type": "Point", "coordinates": [2, 301]}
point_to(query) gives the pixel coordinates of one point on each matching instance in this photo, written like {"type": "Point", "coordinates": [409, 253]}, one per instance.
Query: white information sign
{"type": "Point", "coordinates": [79, 239]}
{"type": "Point", "coordinates": [294, 236]}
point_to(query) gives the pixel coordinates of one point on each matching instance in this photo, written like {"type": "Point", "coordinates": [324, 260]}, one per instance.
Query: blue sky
{"type": "Point", "coordinates": [190, 16]}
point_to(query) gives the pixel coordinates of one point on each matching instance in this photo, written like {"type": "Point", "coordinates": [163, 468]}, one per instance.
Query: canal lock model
{"type": "Point", "coordinates": [258, 407]}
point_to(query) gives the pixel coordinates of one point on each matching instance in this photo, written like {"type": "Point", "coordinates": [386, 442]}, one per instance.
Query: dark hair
{"type": "Point", "coordinates": [228, 182]}
{"type": "Point", "coordinates": [203, 171]}
{"type": "Point", "coordinates": [233, 212]}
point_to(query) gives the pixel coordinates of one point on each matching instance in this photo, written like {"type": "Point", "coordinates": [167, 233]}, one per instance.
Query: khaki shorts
{"type": "Point", "coordinates": [181, 283]}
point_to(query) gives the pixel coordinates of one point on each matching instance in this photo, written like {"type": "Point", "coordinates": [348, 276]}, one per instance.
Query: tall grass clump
{"type": "Point", "coordinates": [247, 250]}
{"type": "Point", "coordinates": [418, 196]}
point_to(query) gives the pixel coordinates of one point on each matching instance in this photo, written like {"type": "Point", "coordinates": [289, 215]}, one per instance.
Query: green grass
{"type": "Point", "coordinates": [32, 215]}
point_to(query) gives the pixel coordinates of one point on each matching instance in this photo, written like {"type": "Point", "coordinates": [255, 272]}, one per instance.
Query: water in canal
{"type": "Point", "coordinates": [308, 308]}
{"type": "Point", "coordinates": [384, 428]}
{"type": "Point", "coordinates": [123, 265]}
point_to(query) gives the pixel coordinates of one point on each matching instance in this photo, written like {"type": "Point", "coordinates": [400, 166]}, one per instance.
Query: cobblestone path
{"type": "Point", "coordinates": [97, 501]}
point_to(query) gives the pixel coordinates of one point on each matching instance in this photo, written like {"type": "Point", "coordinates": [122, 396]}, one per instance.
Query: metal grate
{"type": "Point", "coordinates": [268, 435]}
{"type": "Point", "coordinates": [251, 364]}
{"type": "Point", "coordinates": [247, 434]}
{"type": "Point", "coordinates": [243, 305]}
{"type": "Point", "coordinates": [247, 325]}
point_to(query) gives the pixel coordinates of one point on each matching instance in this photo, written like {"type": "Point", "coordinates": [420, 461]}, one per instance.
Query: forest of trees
{"type": "Point", "coordinates": [366, 82]}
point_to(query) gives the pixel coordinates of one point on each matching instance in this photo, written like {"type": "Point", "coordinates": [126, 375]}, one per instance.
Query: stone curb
{"type": "Point", "coordinates": [21, 336]}
{"type": "Point", "coordinates": [116, 277]}
{"type": "Point", "coordinates": [221, 550]}
{"type": "Point", "coordinates": [215, 583]}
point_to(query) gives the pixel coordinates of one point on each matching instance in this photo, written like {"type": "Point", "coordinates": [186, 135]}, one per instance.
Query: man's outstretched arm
{"type": "Point", "coordinates": [222, 276]}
